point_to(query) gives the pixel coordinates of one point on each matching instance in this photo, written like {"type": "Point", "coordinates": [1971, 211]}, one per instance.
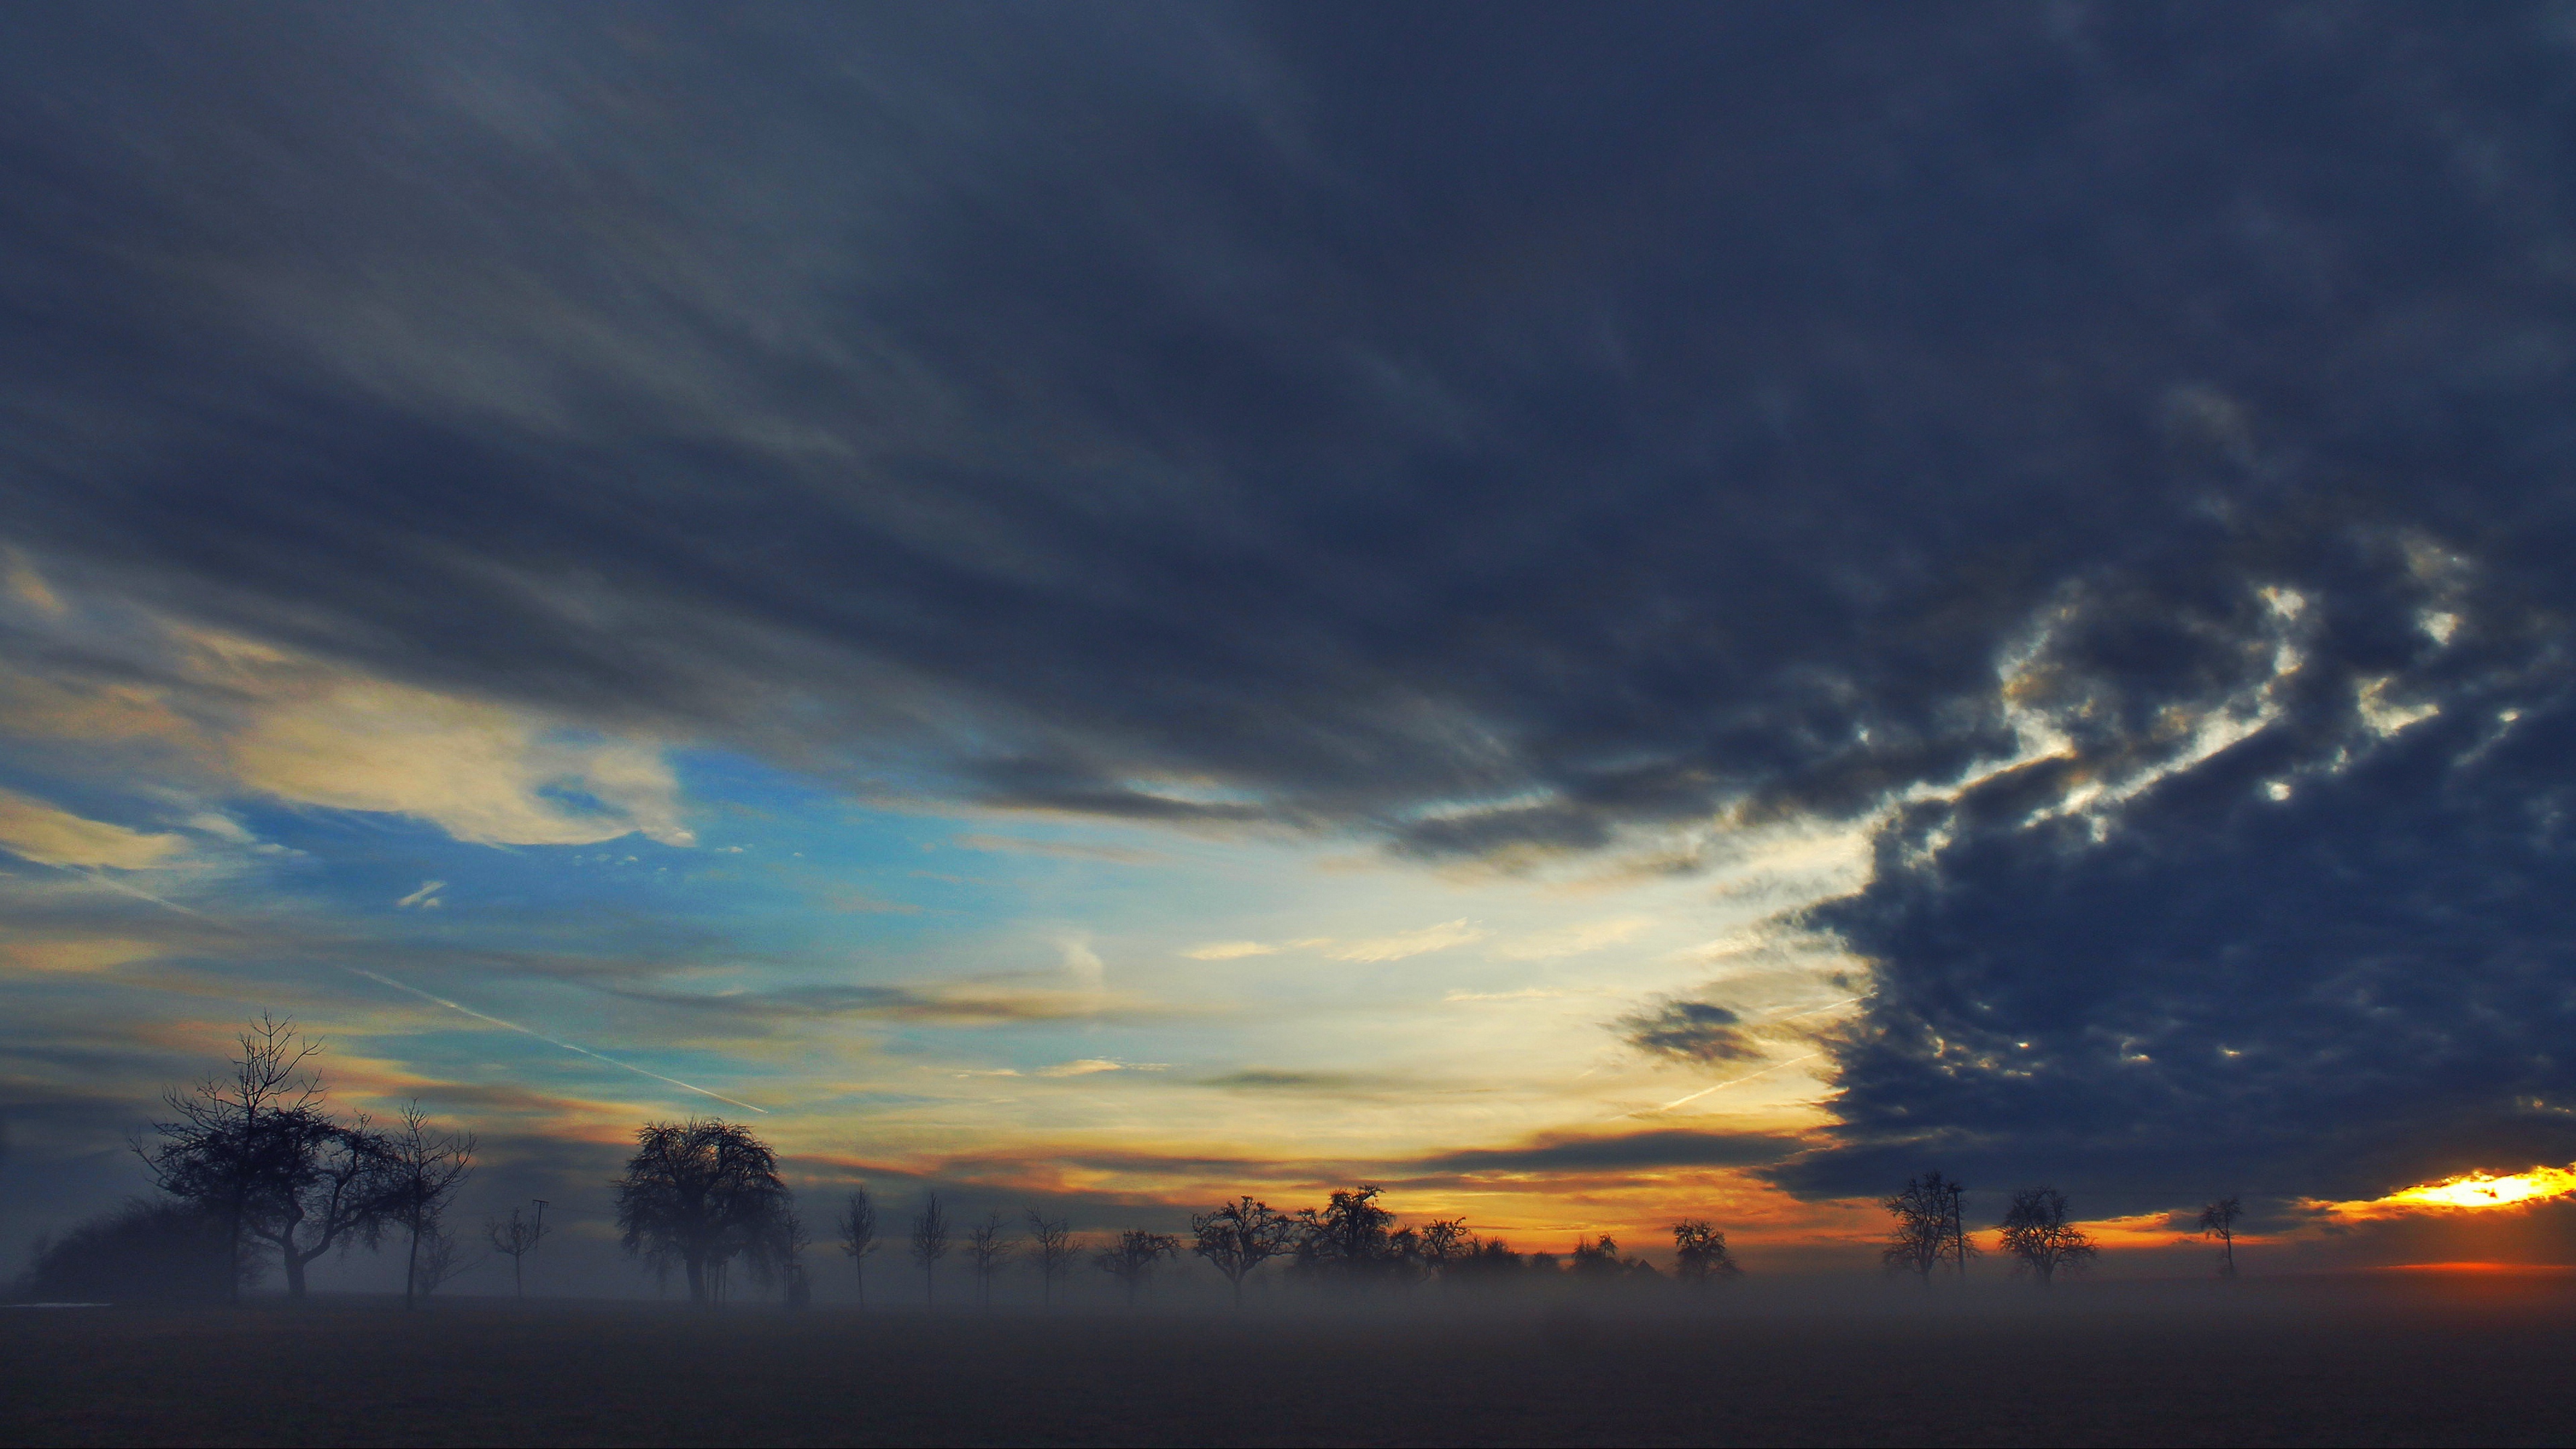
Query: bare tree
{"type": "Point", "coordinates": [929, 1244]}
{"type": "Point", "coordinates": [1053, 1239]}
{"type": "Point", "coordinates": [2039, 1237]}
{"type": "Point", "coordinates": [1699, 1254]}
{"type": "Point", "coordinates": [437, 1258]}
{"type": "Point", "coordinates": [1351, 1238]}
{"type": "Point", "coordinates": [423, 1169]}
{"type": "Point", "coordinates": [2218, 1220]}
{"type": "Point", "coordinates": [988, 1243]}
{"type": "Point", "coordinates": [1928, 1231]}
{"type": "Point", "coordinates": [1443, 1244]}
{"type": "Point", "coordinates": [233, 1147]}
{"type": "Point", "coordinates": [781, 1257]}
{"type": "Point", "coordinates": [515, 1240]}
{"type": "Point", "coordinates": [701, 1193]}
{"type": "Point", "coordinates": [1241, 1236]}
{"type": "Point", "coordinates": [1132, 1261]}
{"type": "Point", "coordinates": [858, 1225]}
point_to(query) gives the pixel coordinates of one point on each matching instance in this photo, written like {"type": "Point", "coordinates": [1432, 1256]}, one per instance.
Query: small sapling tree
{"type": "Point", "coordinates": [858, 1225]}
{"type": "Point", "coordinates": [930, 1244]}
{"type": "Point", "coordinates": [1052, 1238]}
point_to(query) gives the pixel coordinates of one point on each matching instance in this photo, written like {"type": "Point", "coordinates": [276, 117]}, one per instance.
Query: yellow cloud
{"type": "Point", "coordinates": [40, 832]}
{"type": "Point", "coordinates": [482, 772]}
{"type": "Point", "coordinates": [1409, 943]}
{"type": "Point", "coordinates": [73, 955]}
{"type": "Point", "coordinates": [1230, 950]}
{"type": "Point", "coordinates": [1573, 940]}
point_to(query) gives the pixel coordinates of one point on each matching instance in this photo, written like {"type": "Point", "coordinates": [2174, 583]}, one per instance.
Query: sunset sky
{"type": "Point", "coordinates": [1588, 613]}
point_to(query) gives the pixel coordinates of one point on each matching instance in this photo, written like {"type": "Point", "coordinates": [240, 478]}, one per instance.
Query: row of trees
{"type": "Point", "coordinates": [702, 1195]}
{"type": "Point", "coordinates": [256, 1165]}
{"type": "Point", "coordinates": [2038, 1231]}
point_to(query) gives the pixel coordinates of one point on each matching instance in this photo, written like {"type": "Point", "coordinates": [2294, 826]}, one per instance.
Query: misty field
{"type": "Point", "coordinates": [2284, 1363]}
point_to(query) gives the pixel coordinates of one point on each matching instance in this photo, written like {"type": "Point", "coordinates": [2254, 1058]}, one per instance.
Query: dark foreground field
{"type": "Point", "coordinates": [2447, 1363]}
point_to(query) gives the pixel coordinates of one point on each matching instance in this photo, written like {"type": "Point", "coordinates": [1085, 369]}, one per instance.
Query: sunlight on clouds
{"type": "Point", "coordinates": [1573, 940]}
{"type": "Point", "coordinates": [216, 714]}
{"type": "Point", "coordinates": [73, 954]}
{"type": "Point", "coordinates": [1409, 943]}
{"type": "Point", "coordinates": [40, 832]}
{"type": "Point", "coordinates": [481, 772]}
{"type": "Point", "coordinates": [2469, 1191]}
{"type": "Point", "coordinates": [1230, 950]}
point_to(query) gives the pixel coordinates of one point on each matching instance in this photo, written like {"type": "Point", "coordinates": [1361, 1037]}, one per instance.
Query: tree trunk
{"type": "Point", "coordinates": [411, 1267]}
{"type": "Point", "coordinates": [294, 1271]}
{"type": "Point", "coordinates": [697, 1279]}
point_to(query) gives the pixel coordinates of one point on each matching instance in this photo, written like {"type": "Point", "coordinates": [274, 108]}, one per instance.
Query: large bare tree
{"type": "Point", "coordinates": [700, 1193]}
{"type": "Point", "coordinates": [423, 1170]}
{"type": "Point", "coordinates": [2039, 1237]}
{"type": "Point", "coordinates": [1053, 1240]}
{"type": "Point", "coordinates": [1928, 1230]}
{"type": "Point", "coordinates": [930, 1244]}
{"type": "Point", "coordinates": [261, 1150]}
{"type": "Point", "coordinates": [1241, 1236]}
{"type": "Point", "coordinates": [225, 1142]}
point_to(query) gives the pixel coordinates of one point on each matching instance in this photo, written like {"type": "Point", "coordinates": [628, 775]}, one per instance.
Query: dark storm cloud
{"type": "Point", "coordinates": [1669, 1147]}
{"type": "Point", "coordinates": [1691, 1031]}
{"type": "Point", "coordinates": [1493, 428]}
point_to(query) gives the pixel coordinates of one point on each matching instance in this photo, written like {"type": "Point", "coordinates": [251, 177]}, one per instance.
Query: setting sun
{"type": "Point", "coordinates": [2469, 1190]}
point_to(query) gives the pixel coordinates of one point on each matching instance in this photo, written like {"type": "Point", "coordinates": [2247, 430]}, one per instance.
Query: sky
{"type": "Point", "coordinates": [1590, 614]}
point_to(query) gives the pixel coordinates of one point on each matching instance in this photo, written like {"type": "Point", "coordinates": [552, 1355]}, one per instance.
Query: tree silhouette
{"type": "Point", "coordinates": [1597, 1261]}
{"type": "Point", "coordinates": [260, 1151]}
{"type": "Point", "coordinates": [1444, 1243]}
{"type": "Point", "coordinates": [1351, 1238]}
{"type": "Point", "coordinates": [929, 1243]}
{"type": "Point", "coordinates": [423, 1169]}
{"type": "Point", "coordinates": [1053, 1239]}
{"type": "Point", "coordinates": [1241, 1236]}
{"type": "Point", "coordinates": [1699, 1254]}
{"type": "Point", "coordinates": [437, 1258]}
{"type": "Point", "coordinates": [988, 1243]}
{"type": "Point", "coordinates": [858, 1225]}
{"type": "Point", "coordinates": [1132, 1261]}
{"type": "Point", "coordinates": [1928, 1230]}
{"type": "Point", "coordinates": [2218, 1220]}
{"type": "Point", "coordinates": [515, 1240]}
{"type": "Point", "coordinates": [2038, 1236]}
{"type": "Point", "coordinates": [701, 1193]}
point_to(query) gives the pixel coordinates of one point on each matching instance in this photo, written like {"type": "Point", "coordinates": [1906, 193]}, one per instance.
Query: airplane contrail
{"type": "Point", "coordinates": [117, 885]}
{"type": "Point", "coordinates": [1731, 1081]}
{"type": "Point", "coordinates": [552, 1041]}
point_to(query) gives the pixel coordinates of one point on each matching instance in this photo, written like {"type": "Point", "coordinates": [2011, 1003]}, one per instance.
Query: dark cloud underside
{"type": "Point", "coordinates": [1623, 414]}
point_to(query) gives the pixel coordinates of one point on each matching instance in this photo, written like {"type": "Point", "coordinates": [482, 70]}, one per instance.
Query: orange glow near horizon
{"type": "Point", "coordinates": [2469, 1190]}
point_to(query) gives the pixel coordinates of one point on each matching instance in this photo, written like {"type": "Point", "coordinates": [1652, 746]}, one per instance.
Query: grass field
{"type": "Point", "coordinates": [2284, 1363]}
